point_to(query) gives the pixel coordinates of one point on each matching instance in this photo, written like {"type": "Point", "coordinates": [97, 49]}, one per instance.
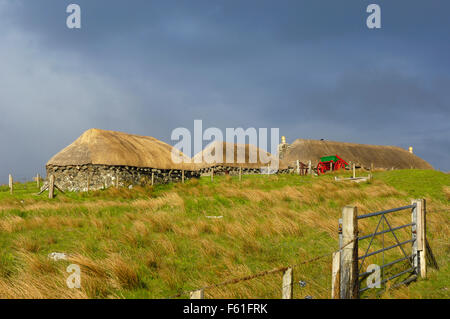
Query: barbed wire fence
{"type": "Point", "coordinates": [199, 293]}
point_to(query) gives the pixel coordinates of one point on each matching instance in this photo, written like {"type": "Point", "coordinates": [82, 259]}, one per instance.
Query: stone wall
{"type": "Point", "coordinates": [76, 178]}
{"type": "Point", "coordinates": [233, 171]}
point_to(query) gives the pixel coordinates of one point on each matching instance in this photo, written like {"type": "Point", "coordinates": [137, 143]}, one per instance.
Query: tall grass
{"type": "Point", "coordinates": [157, 242]}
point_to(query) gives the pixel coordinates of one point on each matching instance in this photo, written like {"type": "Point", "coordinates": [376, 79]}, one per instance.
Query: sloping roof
{"type": "Point", "coordinates": [381, 156]}
{"type": "Point", "coordinates": [249, 155]}
{"type": "Point", "coordinates": [117, 149]}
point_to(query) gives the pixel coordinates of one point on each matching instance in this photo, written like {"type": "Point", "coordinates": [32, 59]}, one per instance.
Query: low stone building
{"type": "Point", "coordinates": [100, 159]}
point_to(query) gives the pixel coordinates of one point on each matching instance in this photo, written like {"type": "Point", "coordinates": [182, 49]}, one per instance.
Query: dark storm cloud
{"type": "Point", "coordinates": [311, 68]}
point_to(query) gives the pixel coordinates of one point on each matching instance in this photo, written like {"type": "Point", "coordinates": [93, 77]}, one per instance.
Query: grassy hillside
{"type": "Point", "coordinates": [157, 242]}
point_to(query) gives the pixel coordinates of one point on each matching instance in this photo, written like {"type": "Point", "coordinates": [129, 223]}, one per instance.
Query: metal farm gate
{"type": "Point", "coordinates": [348, 265]}
{"type": "Point", "coordinates": [411, 257]}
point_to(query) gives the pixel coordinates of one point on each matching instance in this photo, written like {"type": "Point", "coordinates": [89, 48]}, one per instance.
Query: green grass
{"type": "Point", "coordinates": [417, 183]}
{"type": "Point", "coordinates": [156, 242]}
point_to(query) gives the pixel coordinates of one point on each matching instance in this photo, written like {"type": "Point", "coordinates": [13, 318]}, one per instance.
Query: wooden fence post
{"type": "Point", "coordinates": [310, 168]}
{"type": "Point", "coordinates": [117, 179]}
{"type": "Point", "coordinates": [287, 284]}
{"type": "Point", "coordinates": [335, 275]}
{"type": "Point", "coordinates": [153, 178]}
{"type": "Point", "coordinates": [51, 187]}
{"type": "Point", "coordinates": [298, 167]}
{"type": "Point", "coordinates": [371, 167]}
{"type": "Point", "coordinates": [240, 173]}
{"type": "Point", "coordinates": [38, 181]}
{"type": "Point", "coordinates": [182, 176]}
{"type": "Point", "coordinates": [11, 184]}
{"type": "Point", "coordinates": [197, 294]}
{"type": "Point", "coordinates": [354, 170]}
{"type": "Point", "coordinates": [212, 174]}
{"type": "Point", "coordinates": [349, 288]}
{"type": "Point", "coordinates": [419, 246]}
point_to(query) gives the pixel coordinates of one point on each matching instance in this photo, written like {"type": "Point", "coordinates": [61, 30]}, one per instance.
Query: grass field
{"type": "Point", "coordinates": [158, 242]}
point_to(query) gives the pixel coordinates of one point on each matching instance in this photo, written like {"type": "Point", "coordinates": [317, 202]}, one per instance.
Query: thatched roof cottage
{"type": "Point", "coordinates": [244, 157]}
{"type": "Point", "coordinates": [100, 159]}
{"type": "Point", "coordinates": [382, 157]}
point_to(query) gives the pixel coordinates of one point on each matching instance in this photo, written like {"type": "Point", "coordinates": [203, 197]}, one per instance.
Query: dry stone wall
{"type": "Point", "coordinates": [94, 177]}
{"type": "Point", "coordinates": [234, 171]}
{"type": "Point", "coordinates": [77, 178]}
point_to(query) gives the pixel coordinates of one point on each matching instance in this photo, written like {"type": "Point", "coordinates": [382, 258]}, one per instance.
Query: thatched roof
{"type": "Point", "coordinates": [249, 155]}
{"type": "Point", "coordinates": [117, 149]}
{"type": "Point", "coordinates": [381, 156]}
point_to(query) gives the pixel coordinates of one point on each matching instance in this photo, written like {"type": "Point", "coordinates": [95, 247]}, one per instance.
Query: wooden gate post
{"type": "Point", "coordinates": [419, 233]}
{"type": "Point", "coordinates": [335, 275]}
{"type": "Point", "coordinates": [414, 252]}
{"type": "Point", "coordinates": [423, 232]}
{"type": "Point", "coordinates": [349, 288]}
{"type": "Point", "coordinates": [197, 294]}
{"type": "Point", "coordinates": [11, 184]}
{"type": "Point", "coordinates": [287, 284]}
{"type": "Point", "coordinates": [51, 186]}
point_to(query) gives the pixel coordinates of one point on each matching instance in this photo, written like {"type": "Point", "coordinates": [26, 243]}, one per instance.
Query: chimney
{"type": "Point", "coordinates": [282, 148]}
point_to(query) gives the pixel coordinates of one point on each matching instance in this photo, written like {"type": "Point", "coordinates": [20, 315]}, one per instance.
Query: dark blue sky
{"type": "Point", "coordinates": [311, 68]}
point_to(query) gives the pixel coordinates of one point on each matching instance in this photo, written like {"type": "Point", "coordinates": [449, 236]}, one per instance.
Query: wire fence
{"type": "Point", "coordinates": [302, 282]}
